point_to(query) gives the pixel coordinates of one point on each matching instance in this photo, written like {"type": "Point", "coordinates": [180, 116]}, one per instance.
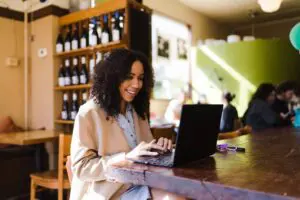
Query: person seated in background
{"type": "Point", "coordinates": [260, 114]}
{"type": "Point", "coordinates": [173, 111]}
{"type": "Point", "coordinates": [284, 94]}
{"type": "Point", "coordinates": [229, 114]}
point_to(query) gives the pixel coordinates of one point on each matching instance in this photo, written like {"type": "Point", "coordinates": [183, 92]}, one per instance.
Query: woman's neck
{"type": "Point", "coordinates": [123, 107]}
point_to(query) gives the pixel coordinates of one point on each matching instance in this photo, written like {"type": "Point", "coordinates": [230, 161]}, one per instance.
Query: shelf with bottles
{"type": "Point", "coordinates": [90, 50]}
{"type": "Point", "coordinates": [78, 75]}
{"type": "Point", "coordinates": [70, 106]}
{"type": "Point", "coordinates": [99, 33]}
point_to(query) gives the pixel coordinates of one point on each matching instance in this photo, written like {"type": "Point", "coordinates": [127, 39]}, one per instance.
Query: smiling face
{"type": "Point", "coordinates": [133, 83]}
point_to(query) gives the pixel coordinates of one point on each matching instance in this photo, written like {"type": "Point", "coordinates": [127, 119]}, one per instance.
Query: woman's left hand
{"type": "Point", "coordinates": [165, 143]}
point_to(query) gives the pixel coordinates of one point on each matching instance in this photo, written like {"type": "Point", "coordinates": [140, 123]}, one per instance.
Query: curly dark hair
{"type": "Point", "coordinates": [111, 72]}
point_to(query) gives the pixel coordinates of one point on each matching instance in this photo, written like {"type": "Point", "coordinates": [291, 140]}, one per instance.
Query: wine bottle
{"type": "Point", "coordinates": [75, 72]}
{"type": "Point", "coordinates": [67, 44]}
{"type": "Point", "coordinates": [121, 21]}
{"type": "Point", "coordinates": [84, 96]}
{"type": "Point", "coordinates": [67, 73]}
{"type": "Point", "coordinates": [61, 76]}
{"type": "Point", "coordinates": [59, 43]}
{"type": "Point", "coordinates": [74, 107]}
{"type": "Point", "coordinates": [84, 40]}
{"type": "Point", "coordinates": [83, 72]}
{"type": "Point", "coordinates": [99, 30]}
{"type": "Point", "coordinates": [105, 37]}
{"type": "Point", "coordinates": [93, 34]}
{"type": "Point", "coordinates": [65, 107]}
{"type": "Point", "coordinates": [75, 38]}
{"type": "Point", "coordinates": [92, 67]}
{"type": "Point", "coordinates": [116, 29]}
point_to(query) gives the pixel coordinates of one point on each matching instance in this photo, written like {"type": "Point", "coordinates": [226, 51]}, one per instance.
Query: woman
{"type": "Point", "coordinates": [113, 126]}
{"type": "Point", "coordinates": [259, 114]}
{"type": "Point", "coordinates": [229, 114]}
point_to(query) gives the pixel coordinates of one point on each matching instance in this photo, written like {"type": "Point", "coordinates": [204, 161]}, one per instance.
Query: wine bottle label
{"type": "Point", "coordinates": [59, 48]}
{"type": "Point", "coordinates": [92, 65]}
{"type": "Point", "coordinates": [73, 115]}
{"type": "Point", "coordinates": [67, 63]}
{"type": "Point", "coordinates": [75, 80]}
{"type": "Point", "coordinates": [66, 97]}
{"type": "Point", "coordinates": [83, 79]}
{"type": "Point", "coordinates": [98, 57]}
{"type": "Point", "coordinates": [104, 38]}
{"type": "Point", "coordinates": [116, 35]}
{"type": "Point", "coordinates": [83, 42]}
{"type": "Point", "coordinates": [67, 46]}
{"type": "Point", "coordinates": [61, 81]}
{"type": "Point", "coordinates": [64, 115]}
{"type": "Point", "coordinates": [84, 96]}
{"type": "Point", "coordinates": [75, 62]}
{"type": "Point", "coordinates": [93, 40]}
{"type": "Point", "coordinates": [83, 60]}
{"type": "Point", "coordinates": [67, 81]}
{"type": "Point", "coordinates": [74, 44]}
{"type": "Point", "coordinates": [74, 97]}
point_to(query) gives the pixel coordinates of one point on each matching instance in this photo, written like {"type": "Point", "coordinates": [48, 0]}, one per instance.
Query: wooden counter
{"type": "Point", "coordinates": [270, 169]}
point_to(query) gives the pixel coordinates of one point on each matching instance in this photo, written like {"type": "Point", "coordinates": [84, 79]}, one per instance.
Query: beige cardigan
{"type": "Point", "coordinates": [97, 143]}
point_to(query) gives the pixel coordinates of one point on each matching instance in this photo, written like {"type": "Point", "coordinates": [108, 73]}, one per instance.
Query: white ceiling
{"type": "Point", "coordinates": [237, 11]}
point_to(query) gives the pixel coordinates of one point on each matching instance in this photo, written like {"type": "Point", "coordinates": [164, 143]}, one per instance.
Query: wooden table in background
{"type": "Point", "coordinates": [35, 138]}
{"type": "Point", "coordinates": [270, 169]}
{"type": "Point", "coordinates": [28, 137]}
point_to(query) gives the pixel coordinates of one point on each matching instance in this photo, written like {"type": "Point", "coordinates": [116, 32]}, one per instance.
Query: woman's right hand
{"type": "Point", "coordinates": [144, 149]}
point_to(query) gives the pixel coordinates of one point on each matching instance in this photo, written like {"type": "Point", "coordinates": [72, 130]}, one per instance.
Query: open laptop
{"type": "Point", "coordinates": [196, 138]}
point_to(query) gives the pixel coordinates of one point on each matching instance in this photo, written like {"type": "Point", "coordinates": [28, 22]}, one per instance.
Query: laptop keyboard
{"type": "Point", "coordinates": [165, 160]}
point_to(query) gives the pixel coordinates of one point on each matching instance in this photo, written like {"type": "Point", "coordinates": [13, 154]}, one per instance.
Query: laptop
{"type": "Point", "coordinates": [196, 138]}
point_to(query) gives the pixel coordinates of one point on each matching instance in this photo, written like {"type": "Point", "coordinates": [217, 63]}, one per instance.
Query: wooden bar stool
{"type": "Point", "coordinates": [54, 179]}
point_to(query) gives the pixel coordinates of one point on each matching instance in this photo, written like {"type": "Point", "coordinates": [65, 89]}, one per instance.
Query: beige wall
{"type": "Point", "coordinates": [278, 29]}
{"type": "Point", "coordinates": [42, 69]}
{"type": "Point", "coordinates": [12, 78]}
{"type": "Point", "coordinates": [202, 27]}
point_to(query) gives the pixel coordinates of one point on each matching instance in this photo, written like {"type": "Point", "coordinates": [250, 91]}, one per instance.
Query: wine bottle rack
{"type": "Point", "coordinates": [136, 35]}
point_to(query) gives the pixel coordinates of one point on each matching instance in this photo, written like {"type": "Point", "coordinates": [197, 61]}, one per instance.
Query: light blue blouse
{"type": "Point", "coordinates": [135, 192]}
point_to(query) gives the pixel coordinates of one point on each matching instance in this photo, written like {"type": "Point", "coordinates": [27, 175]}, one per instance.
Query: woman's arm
{"type": "Point", "coordinates": [87, 164]}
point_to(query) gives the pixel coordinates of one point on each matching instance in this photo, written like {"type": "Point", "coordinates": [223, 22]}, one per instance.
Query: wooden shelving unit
{"type": "Point", "coordinates": [64, 122]}
{"type": "Point", "coordinates": [136, 35]}
{"type": "Point", "coordinates": [92, 50]}
{"type": "Point", "coordinates": [73, 87]}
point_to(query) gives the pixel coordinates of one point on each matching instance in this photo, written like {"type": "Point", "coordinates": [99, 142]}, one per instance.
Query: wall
{"type": "Point", "coordinates": [244, 65]}
{"type": "Point", "coordinates": [12, 78]}
{"type": "Point", "coordinates": [202, 27]}
{"type": "Point", "coordinates": [278, 29]}
{"type": "Point", "coordinates": [44, 31]}
{"type": "Point", "coordinates": [33, 4]}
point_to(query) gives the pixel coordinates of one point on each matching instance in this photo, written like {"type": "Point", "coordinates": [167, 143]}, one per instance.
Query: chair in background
{"type": "Point", "coordinates": [54, 179]}
{"type": "Point", "coordinates": [166, 131]}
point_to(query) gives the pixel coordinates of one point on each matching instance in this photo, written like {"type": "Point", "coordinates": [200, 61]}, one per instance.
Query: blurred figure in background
{"type": "Point", "coordinates": [229, 114]}
{"type": "Point", "coordinates": [260, 114]}
{"type": "Point", "coordinates": [173, 111]}
{"type": "Point", "coordinates": [285, 92]}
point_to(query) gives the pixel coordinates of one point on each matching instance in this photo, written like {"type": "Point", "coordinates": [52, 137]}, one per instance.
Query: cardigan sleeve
{"type": "Point", "coordinates": [87, 164]}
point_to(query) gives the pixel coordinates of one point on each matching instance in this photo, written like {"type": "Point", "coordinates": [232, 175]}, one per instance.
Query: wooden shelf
{"type": "Point", "coordinates": [74, 87]}
{"type": "Point", "coordinates": [58, 121]}
{"type": "Point", "coordinates": [90, 50]}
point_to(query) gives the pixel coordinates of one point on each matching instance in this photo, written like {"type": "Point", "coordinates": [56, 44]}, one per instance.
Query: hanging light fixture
{"type": "Point", "coordinates": [269, 5]}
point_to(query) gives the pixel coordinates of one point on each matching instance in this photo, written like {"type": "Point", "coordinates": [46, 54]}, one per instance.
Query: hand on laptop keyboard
{"type": "Point", "coordinates": [144, 149]}
{"type": "Point", "coordinates": [165, 143]}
